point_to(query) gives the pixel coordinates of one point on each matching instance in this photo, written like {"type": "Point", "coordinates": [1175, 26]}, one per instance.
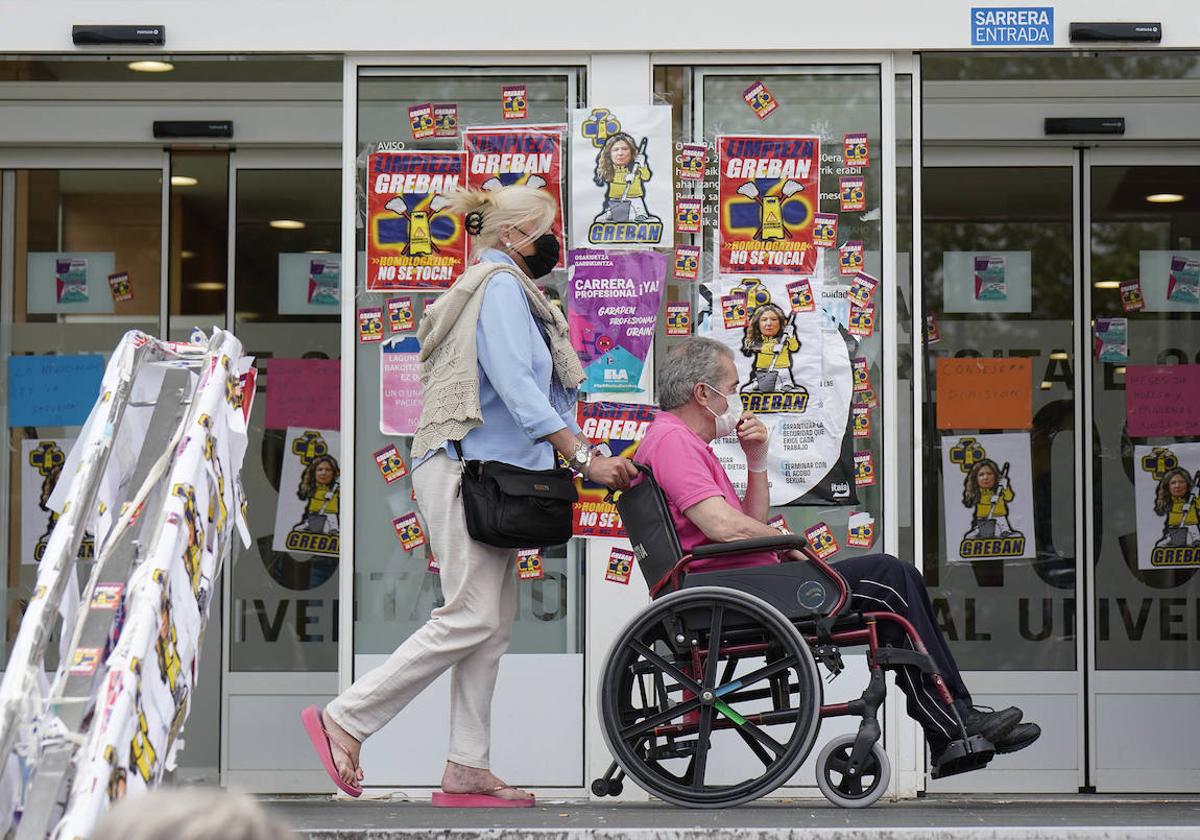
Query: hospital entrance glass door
{"type": "Point", "coordinates": [1043, 585]}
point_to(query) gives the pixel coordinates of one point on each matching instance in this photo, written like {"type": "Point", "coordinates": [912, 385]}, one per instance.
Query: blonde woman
{"type": "Point", "coordinates": [498, 379]}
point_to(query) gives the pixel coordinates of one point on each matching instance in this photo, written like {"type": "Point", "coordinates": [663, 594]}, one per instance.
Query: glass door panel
{"type": "Point", "coordinates": [1144, 235]}
{"type": "Point", "coordinates": [999, 245]}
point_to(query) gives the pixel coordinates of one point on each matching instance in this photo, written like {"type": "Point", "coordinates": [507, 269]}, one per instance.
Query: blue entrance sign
{"type": "Point", "coordinates": [1012, 26]}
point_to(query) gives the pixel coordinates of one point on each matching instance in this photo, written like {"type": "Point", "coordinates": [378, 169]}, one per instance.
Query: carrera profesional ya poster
{"type": "Point", "coordinates": [794, 372]}
{"type": "Point", "coordinates": [613, 301]}
{"type": "Point", "coordinates": [621, 191]}
{"type": "Point", "coordinates": [506, 155]}
{"type": "Point", "coordinates": [987, 486]}
{"type": "Point", "coordinates": [1166, 482]}
{"type": "Point", "coordinates": [769, 191]}
{"type": "Point", "coordinates": [414, 241]}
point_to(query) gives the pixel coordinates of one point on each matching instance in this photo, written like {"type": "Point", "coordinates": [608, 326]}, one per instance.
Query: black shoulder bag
{"type": "Point", "coordinates": [512, 507]}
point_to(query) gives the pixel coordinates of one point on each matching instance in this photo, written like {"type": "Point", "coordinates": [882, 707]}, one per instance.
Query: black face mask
{"type": "Point", "coordinates": [545, 256]}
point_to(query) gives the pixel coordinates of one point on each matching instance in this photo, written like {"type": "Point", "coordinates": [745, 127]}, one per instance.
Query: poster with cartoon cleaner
{"type": "Point", "coordinates": [306, 517]}
{"type": "Point", "coordinates": [500, 157]}
{"type": "Point", "coordinates": [987, 486]}
{"type": "Point", "coordinates": [42, 461]}
{"type": "Point", "coordinates": [613, 299]}
{"type": "Point", "coordinates": [1166, 482]}
{"type": "Point", "coordinates": [621, 190]}
{"type": "Point", "coordinates": [769, 190]}
{"type": "Point", "coordinates": [794, 373]}
{"type": "Point", "coordinates": [414, 241]}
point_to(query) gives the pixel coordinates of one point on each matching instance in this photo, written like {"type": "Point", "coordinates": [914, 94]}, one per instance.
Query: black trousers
{"type": "Point", "coordinates": [881, 582]}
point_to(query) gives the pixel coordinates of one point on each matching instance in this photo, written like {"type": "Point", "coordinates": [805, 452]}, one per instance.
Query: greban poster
{"type": "Point", "coordinates": [987, 486]}
{"type": "Point", "coordinates": [621, 191]}
{"type": "Point", "coordinates": [1166, 482]}
{"type": "Point", "coordinates": [621, 427]}
{"type": "Point", "coordinates": [306, 517]}
{"type": "Point", "coordinates": [414, 241]}
{"type": "Point", "coordinates": [769, 193]}
{"type": "Point", "coordinates": [794, 373]}
{"type": "Point", "coordinates": [500, 157]}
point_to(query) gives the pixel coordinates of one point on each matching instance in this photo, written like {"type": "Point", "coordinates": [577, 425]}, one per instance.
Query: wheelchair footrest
{"type": "Point", "coordinates": [963, 756]}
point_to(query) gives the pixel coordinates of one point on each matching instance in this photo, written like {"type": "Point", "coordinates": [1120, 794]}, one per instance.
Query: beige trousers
{"type": "Point", "coordinates": [468, 634]}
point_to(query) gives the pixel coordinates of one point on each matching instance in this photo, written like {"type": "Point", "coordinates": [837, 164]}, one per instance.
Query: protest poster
{"type": "Point", "coordinates": [618, 197]}
{"type": "Point", "coordinates": [620, 427]}
{"type": "Point", "coordinates": [768, 192]}
{"type": "Point", "coordinates": [306, 515]}
{"type": "Point", "coordinates": [613, 299]}
{"type": "Point", "coordinates": [399, 385]}
{"type": "Point", "coordinates": [987, 487]}
{"type": "Point", "coordinates": [794, 373]}
{"type": "Point", "coordinates": [42, 461]}
{"type": "Point", "coordinates": [303, 391]}
{"type": "Point", "coordinates": [1162, 400]}
{"type": "Point", "coordinates": [414, 241]}
{"type": "Point", "coordinates": [1166, 481]}
{"type": "Point", "coordinates": [502, 156]}
{"type": "Point", "coordinates": [71, 280]}
{"type": "Point", "coordinates": [120, 286]}
{"type": "Point", "coordinates": [1169, 281]}
{"type": "Point", "coordinates": [980, 393]}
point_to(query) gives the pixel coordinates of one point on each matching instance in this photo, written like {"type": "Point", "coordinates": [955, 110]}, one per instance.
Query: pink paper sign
{"type": "Point", "coordinates": [399, 386]}
{"type": "Point", "coordinates": [1162, 400]}
{"type": "Point", "coordinates": [304, 392]}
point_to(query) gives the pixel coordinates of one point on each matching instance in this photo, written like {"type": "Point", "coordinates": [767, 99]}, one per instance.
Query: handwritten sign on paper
{"type": "Point", "coordinates": [304, 392]}
{"type": "Point", "coordinates": [1162, 400]}
{"type": "Point", "coordinates": [984, 393]}
{"type": "Point", "coordinates": [53, 390]}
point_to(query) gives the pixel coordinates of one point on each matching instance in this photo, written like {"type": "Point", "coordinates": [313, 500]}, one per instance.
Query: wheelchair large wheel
{"type": "Point", "coordinates": [710, 698]}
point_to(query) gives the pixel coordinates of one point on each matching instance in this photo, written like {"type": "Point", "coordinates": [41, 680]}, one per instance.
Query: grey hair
{"type": "Point", "coordinates": [192, 813]}
{"type": "Point", "coordinates": [695, 359]}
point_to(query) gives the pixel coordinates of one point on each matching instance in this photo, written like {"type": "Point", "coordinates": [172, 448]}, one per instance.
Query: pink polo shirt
{"type": "Point", "coordinates": [688, 472]}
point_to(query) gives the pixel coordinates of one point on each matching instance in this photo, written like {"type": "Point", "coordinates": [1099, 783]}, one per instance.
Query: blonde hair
{"type": "Point", "coordinates": [189, 814]}
{"type": "Point", "coordinates": [518, 206]}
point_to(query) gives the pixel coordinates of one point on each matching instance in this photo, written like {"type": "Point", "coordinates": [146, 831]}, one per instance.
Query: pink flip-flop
{"type": "Point", "coordinates": [479, 799]}
{"type": "Point", "coordinates": [311, 718]}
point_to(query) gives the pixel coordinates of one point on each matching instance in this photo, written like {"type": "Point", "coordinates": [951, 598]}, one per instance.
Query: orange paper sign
{"type": "Point", "coordinates": [984, 393]}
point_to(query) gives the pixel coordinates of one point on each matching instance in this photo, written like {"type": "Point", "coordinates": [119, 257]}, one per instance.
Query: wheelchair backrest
{"type": "Point", "coordinates": [647, 521]}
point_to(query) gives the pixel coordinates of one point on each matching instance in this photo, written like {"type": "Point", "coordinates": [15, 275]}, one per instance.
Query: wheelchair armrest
{"type": "Point", "coordinates": [783, 542]}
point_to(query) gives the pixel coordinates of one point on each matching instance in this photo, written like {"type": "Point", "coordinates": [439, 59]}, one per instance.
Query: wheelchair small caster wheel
{"type": "Point", "coordinates": [600, 787]}
{"type": "Point", "coordinates": [846, 790]}
{"type": "Point", "coordinates": [615, 787]}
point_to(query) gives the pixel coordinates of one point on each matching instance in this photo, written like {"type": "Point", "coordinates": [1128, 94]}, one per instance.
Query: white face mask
{"type": "Point", "coordinates": [727, 420]}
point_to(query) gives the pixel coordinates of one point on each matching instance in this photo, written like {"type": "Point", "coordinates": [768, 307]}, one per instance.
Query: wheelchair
{"type": "Point", "coordinates": [711, 697]}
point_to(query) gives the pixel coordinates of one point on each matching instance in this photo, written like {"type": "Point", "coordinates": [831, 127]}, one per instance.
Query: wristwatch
{"type": "Point", "coordinates": [582, 458]}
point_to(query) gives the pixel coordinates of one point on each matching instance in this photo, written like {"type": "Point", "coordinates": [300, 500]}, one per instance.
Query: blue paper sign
{"type": "Point", "coordinates": [1010, 26]}
{"type": "Point", "coordinates": [53, 390]}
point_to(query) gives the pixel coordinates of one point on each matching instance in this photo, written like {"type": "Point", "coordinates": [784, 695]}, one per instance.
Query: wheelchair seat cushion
{"type": "Point", "coordinates": [797, 589]}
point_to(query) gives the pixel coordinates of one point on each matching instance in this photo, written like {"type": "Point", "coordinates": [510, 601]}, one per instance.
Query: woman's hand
{"type": "Point", "coordinates": [614, 473]}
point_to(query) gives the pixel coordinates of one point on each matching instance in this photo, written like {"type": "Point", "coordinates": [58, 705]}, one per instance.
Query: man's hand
{"type": "Point", "coordinates": [752, 435]}
{"type": "Point", "coordinates": [613, 473]}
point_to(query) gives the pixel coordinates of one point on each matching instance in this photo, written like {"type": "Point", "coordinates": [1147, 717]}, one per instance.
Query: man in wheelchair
{"type": "Point", "coordinates": [698, 388]}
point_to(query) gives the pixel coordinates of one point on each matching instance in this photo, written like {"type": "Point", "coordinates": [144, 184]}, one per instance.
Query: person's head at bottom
{"type": "Point", "coordinates": [189, 813]}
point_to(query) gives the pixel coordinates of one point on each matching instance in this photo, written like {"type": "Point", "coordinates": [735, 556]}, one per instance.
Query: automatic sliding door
{"type": "Point", "coordinates": [1000, 508]}
{"type": "Point", "coordinates": [1144, 249]}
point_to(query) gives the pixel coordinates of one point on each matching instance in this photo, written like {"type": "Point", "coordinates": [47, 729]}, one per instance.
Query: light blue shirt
{"type": "Point", "coordinates": [515, 376]}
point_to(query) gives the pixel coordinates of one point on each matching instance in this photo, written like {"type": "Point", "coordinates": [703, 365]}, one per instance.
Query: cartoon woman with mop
{"type": "Point", "coordinates": [987, 492]}
{"type": "Point", "coordinates": [1175, 500]}
{"type": "Point", "coordinates": [622, 169]}
{"type": "Point", "coordinates": [770, 340]}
